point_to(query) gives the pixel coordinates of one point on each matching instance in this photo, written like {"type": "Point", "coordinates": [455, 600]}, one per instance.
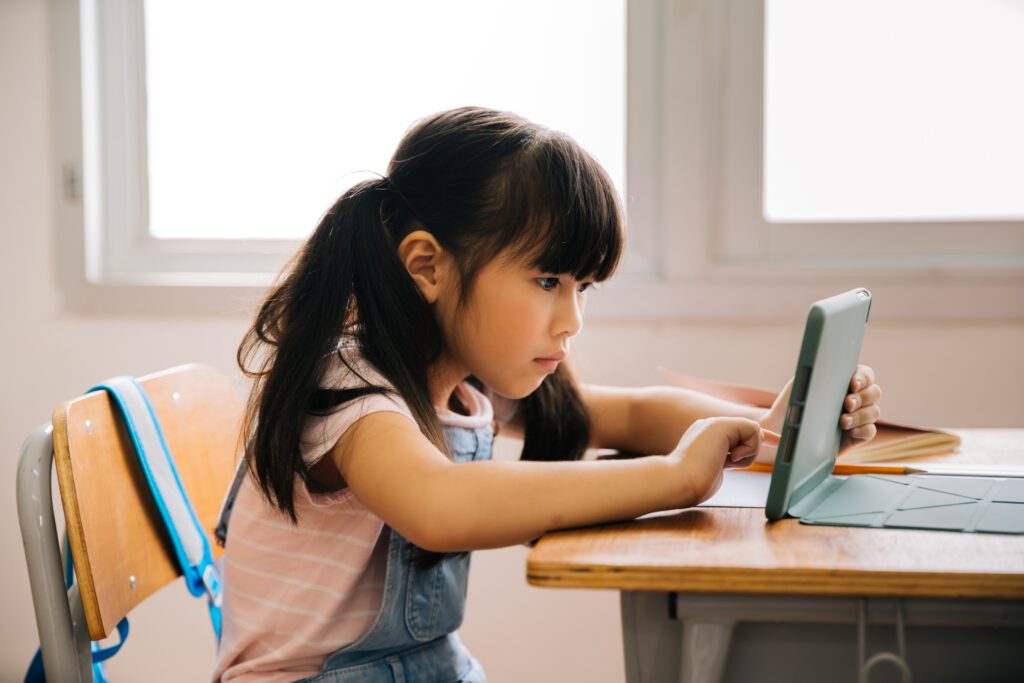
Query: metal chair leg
{"type": "Point", "coordinates": [64, 641]}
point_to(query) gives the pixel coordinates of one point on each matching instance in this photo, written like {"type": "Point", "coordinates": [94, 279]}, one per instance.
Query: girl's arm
{"type": "Point", "coordinates": [647, 420]}
{"type": "Point", "coordinates": [651, 419]}
{"type": "Point", "coordinates": [444, 506]}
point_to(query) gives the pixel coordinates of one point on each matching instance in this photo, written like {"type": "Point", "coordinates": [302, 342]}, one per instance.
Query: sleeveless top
{"type": "Point", "coordinates": [338, 590]}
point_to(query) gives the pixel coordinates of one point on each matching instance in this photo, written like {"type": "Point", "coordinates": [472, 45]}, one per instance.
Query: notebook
{"type": "Point", "coordinates": [802, 485]}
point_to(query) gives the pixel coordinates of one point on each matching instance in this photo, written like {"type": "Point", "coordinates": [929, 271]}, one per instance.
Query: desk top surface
{"type": "Point", "coordinates": [734, 550]}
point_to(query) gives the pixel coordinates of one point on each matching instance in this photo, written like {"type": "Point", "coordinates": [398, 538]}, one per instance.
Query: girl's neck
{"type": "Point", "coordinates": [443, 378]}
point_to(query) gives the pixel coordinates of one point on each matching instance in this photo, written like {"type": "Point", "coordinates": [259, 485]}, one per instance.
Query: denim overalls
{"type": "Point", "coordinates": [412, 639]}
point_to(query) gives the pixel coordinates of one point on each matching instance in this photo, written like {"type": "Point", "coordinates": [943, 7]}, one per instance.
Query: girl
{"type": "Point", "coordinates": [429, 309]}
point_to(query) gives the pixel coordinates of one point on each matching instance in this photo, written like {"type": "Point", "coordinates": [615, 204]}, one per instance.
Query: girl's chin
{"type": "Point", "coordinates": [517, 390]}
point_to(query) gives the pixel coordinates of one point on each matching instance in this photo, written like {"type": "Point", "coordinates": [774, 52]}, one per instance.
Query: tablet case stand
{"type": "Point", "coordinates": [948, 503]}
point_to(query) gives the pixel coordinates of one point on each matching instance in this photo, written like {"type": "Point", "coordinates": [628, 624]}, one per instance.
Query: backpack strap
{"type": "Point", "coordinates": [191, 547]}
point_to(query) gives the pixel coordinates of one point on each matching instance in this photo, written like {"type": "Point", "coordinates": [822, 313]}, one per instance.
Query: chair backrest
{"type": "Point", "coordinates": [122, 554]}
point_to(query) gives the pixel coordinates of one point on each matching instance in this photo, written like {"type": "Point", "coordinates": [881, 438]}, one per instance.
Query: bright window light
{"type": "Point", "coordinates": [261, 113]}
{"type": "Point", "coordinates": [899, 110]}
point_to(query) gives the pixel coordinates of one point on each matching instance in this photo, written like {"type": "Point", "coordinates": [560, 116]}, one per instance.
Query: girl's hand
{"type": "Point", "coordinates": [709, 446]}
{"type": "Point", "coordinates": [860, 409]}
{"type": "Point", "coordinates": [860, 412]}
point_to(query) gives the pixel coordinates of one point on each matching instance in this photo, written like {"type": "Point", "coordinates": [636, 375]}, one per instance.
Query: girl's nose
{"type": "Point", "coordinates": [569, 317]}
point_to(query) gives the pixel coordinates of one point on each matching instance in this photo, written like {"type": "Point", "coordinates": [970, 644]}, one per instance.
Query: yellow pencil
{"type": "Point", "coordinates": [851, 469]}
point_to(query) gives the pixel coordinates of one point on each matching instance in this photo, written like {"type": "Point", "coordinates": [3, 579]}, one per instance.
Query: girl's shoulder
{"type": "Point", "coordinates": [348, 369]}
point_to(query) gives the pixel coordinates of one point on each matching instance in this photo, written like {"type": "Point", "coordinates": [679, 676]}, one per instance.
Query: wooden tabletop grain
{"type": "Point", "coordinates": [735, 550]}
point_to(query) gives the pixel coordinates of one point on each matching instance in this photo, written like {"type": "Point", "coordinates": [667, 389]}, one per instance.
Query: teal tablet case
{"type": "Point", "coordinates": [949, 503]}
{"type": "Point", "coordinates": [802, 483]}
{"type": "Point", "coordinates": [810, 433]}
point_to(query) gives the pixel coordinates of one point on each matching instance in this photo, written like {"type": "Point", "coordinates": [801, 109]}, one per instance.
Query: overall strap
{"type": "Point", "coordinates": [220, 533]}
{"type": "Point", "coordinates": [191, 547]}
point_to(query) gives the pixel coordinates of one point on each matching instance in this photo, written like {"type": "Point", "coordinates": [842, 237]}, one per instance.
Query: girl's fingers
{"type": "Point", "coordinates": [743, 451]}
{"type": "Point", "coordinates": [864, 416]}
{"type": "Point", "coordinates": [740, 464]}
{"type": "Point", "coordinates": [748, 441]}
{"type": "Point", "coordinates": [743, 454]}
{"type": "Point", "coordinates": [871, 394]}
{"type": "Point", "coordinates": [863, 377]}
{"type": "Point", "coordinates": [865, 433]}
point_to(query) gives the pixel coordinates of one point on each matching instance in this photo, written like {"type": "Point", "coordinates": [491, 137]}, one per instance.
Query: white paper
{"type": "Point", "coordinates": [741, 489]}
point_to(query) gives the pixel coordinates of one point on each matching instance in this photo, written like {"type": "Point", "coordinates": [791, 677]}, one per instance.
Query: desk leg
{"type": "Point", "coordinates": [661, 648]}
{"type": "Point", "coordinates": [705, 649]}
{"type": "Point", "coordinates": [651, 636]}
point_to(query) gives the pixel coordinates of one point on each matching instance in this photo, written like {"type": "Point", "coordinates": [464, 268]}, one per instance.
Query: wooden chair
{"type": "Point", "coordinates": [121, 552]}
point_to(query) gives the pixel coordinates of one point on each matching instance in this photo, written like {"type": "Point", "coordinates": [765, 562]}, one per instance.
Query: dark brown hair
{"type": "Point", "coordinates": [481, 182]}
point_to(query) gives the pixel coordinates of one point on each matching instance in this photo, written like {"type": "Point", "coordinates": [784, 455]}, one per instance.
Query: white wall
{"type": "Point", "coordinates": [938, 374]}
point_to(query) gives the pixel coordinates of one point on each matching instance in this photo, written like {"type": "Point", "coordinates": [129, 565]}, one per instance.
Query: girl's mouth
{"type": "Point", "coordinates": [547, 363]}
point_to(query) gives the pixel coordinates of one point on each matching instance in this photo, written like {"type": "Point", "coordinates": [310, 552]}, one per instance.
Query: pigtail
{"type": "Point", "coordinates": [349, 259]}
{"type": "Point", "coordinates": [295, 330]}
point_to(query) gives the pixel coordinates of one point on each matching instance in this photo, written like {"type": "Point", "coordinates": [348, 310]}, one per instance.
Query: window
{"type": "Point", "coordinates": [206, 166]}
{"type": "Point", "coordinates": [718, 111]}
{"type": "Point", "coordinates": [704, 112]}
{"type": "Point", "coordinates": [263, 137]}
{"type": "Point", "coordinates": [908, 111]}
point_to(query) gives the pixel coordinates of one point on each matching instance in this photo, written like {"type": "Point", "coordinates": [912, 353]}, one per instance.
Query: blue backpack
{"type": "Point", "coordinates": [191, 548]}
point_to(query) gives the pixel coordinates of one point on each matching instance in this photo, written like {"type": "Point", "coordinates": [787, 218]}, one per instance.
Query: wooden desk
{"type": "Point", "coordinates": [689, 577]}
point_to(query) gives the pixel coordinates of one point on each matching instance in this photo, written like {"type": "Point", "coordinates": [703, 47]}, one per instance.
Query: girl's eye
{"type": "Point", "coordinates": [547, 283]}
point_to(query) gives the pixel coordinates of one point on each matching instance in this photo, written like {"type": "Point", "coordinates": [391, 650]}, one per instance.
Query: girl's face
{"type": "Point", "coordinates": [515, 327]}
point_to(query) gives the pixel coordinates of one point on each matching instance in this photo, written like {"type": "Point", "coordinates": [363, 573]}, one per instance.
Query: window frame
{"type": "Point", "coordinates": [717, 259]}
{"type": "Point", "coordinates": [713, 259]}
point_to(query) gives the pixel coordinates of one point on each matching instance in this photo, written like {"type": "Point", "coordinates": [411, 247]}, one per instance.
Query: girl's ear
{"type": "Point", "coordinates": [426, 261]}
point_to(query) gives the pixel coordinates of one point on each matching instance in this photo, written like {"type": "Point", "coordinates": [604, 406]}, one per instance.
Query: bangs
{"type": "Point", "coordinates": [566, 217]}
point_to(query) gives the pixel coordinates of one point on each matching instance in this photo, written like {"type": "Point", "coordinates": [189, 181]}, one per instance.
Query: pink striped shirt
{"type": "Point", "coordinates": [293, 594]}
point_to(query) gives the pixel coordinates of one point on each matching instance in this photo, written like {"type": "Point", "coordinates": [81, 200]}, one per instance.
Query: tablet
{"type": "Point", "coordinates": [811, 434]}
